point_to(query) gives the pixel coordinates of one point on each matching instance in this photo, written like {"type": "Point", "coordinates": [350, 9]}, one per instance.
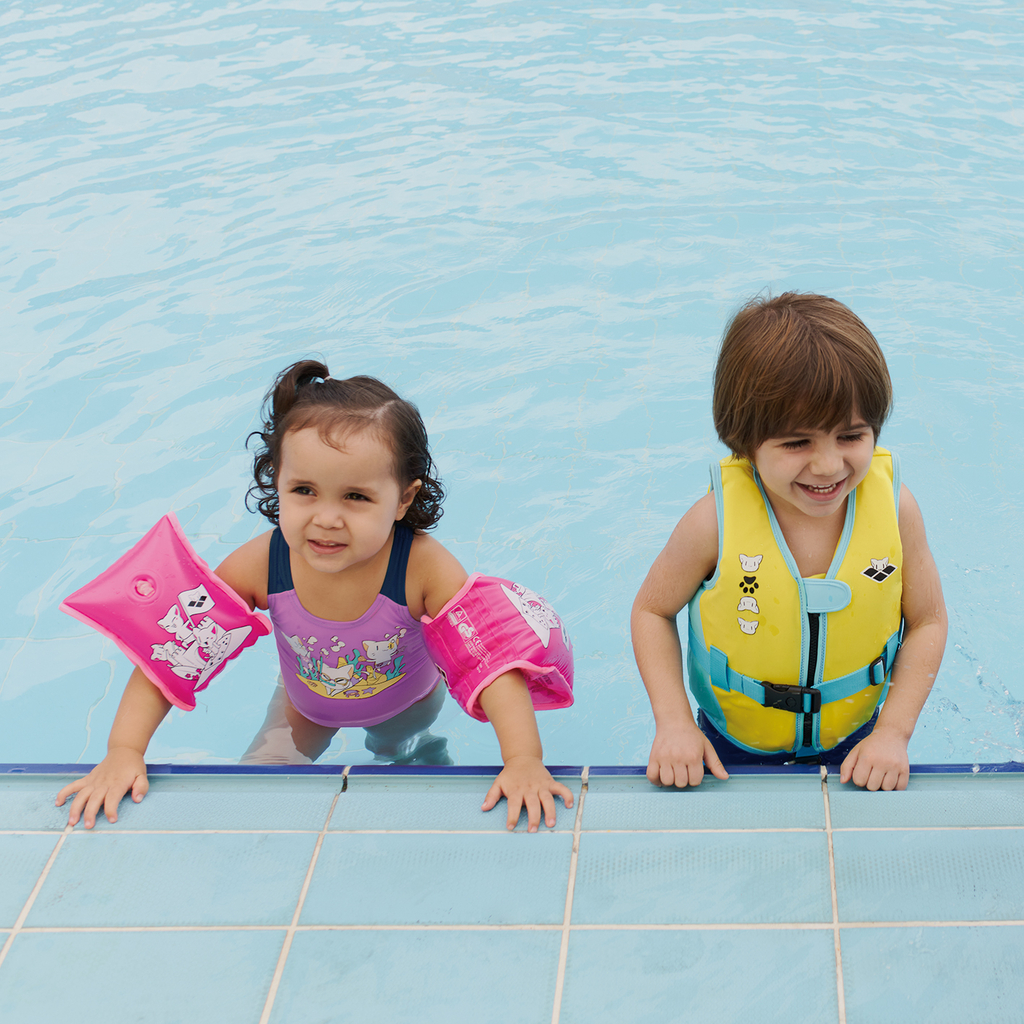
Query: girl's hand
{"type": "Point", "coordinates": [679, 755]}
{"type": "Point", "coordinates": [525, 780]}
{"type": "Point", "coordinates": [879, 761]}
{"type": "Point", "coordinates": [121, 770]}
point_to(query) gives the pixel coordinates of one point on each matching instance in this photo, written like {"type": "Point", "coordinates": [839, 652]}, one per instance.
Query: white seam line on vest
{"type": "Point", "coordinates": [19, 924]}
{"type": "Point", "coordinates": [840, 991]}
{"type": "Point", "coordinates": [290, 933]}
{"type": "Point", "coordinates": [563, 949]}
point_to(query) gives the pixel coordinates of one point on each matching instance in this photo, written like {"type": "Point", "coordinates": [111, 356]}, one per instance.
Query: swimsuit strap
{"type": "Point", "coordinates": [279, 567]}
{"type": "Point", "coordinates": [394, 578]}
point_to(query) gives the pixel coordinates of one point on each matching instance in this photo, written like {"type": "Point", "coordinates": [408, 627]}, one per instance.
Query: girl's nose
{"type": "Point", "coordinates": [328, 517]}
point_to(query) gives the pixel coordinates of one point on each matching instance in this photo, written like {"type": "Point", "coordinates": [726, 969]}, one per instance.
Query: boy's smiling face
{"type": "Point", "coordinates": [811, 472]}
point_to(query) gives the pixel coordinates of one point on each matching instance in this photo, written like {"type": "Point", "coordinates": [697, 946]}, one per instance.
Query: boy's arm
{"type": "Point", "coordinates": [680, 749]}
{"type": "Point", "coordinates": [434, 578]}
{"type": "Point", "coordinates": [880, 760]}
{"type": "Point", "coordinates": [143, 707]}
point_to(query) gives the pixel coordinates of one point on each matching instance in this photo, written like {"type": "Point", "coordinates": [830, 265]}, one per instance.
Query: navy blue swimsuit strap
{"type": "Point", "coordinates": [394, 578]}
{"type": "Point", "coordinates": [279, 569]}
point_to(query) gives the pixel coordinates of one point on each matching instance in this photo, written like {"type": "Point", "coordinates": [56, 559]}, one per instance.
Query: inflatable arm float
{"type": "Point", "coordinates": [173, 618]}
{"type": "Point", "coordinates": [492, 626]}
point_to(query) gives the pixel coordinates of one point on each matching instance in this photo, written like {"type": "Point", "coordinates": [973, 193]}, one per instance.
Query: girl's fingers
{"type": "Point", "coordinates": [515, 805]}
{"type": "Point", "coordinates": [547, 802]}
{"type": "Point", "coordinates": [75, 811]}
{"type": "Point", "coordinates": [71, 787]}
{"type": "Point", "coordinates": [564, 792]}
{"type": "Point", "coordinates": [494, 794]}
{"type": "Point", "coordinates": [532, 812]}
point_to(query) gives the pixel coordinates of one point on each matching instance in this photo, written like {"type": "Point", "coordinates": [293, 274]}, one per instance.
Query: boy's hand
{"type": "Point", "coordinates": [525, 780]}
{"type": "Point", "coordinates": [879, 761]}
{"type": "Point", "coordinates": [679, 755]}
{"type": "Point", "coordinates": [121, 770]}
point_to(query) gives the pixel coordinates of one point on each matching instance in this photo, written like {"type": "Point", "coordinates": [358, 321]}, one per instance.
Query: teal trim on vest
{"type": "Point", "coordinates": [715, 666]}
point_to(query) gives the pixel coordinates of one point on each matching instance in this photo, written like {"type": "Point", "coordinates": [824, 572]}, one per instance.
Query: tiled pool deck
{"type": "Point", "coordinates": [381, 895]}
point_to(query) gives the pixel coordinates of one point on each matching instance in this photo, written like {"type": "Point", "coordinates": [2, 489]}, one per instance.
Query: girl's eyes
{"type": "Point", "coordinates": [355, 496]}
{"type": "Point", "coordinates": [302, 490]}
{"type": "Point", "coordinates": [792, 446]}
{"type": "Point", "coordinates": [851, 438]}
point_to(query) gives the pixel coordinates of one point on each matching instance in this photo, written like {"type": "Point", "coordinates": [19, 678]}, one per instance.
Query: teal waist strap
{"type": "Point", "coordinates": [798, 699]}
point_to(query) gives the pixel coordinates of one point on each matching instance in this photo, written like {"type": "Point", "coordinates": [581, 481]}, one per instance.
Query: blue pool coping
{"type": "Point", "coordinates": [456, 770]}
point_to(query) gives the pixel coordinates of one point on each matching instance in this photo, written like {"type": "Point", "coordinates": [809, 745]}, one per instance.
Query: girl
{"type": "Point", "coordinates": [345, 474]}
{"type": "Point", "coordinates": [801, 566]}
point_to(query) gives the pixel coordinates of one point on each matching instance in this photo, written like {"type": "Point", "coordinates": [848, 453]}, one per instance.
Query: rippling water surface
{"type": "Point", "coordinates": [533, 220]}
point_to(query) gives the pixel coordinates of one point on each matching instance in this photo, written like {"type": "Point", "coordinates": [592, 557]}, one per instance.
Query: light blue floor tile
{"type": "Point", "coordinates": [938, 975]}
{"type": "Point", "coordinates": [932, 800]}
{"type": "Point", "coordinates": [26, 801]}
{"type": "Point", "coordinates": [229, 802]}
{"type": "Point", "coordinates": [725, 977]}
{"type": "Point", "coordinates": [150, 977]}
{"type": "Point", "coordinates": [752, 878]}
{"type": "Point", "coordinates": [432, 802]}
{"type": "Point", "coordinates": [22, 859]}
{"type": "Point", "coordinates": [970, 875]}
{"type": "Point", "coordinates": [499, 977]}
{"type": "Point", "coordinates": [440, 879]}
{"type": "Point", "coordinates": [744, 801]}
{"type": "Point", "coordinates": [125, 879]}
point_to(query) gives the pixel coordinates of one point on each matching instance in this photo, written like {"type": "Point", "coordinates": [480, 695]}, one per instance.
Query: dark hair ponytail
{"type": "Point", "coordinates": [305, 395]}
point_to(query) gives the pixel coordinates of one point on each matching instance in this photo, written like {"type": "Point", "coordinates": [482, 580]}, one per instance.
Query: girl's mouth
{"type": "Point", "coordinates": [325, 547]}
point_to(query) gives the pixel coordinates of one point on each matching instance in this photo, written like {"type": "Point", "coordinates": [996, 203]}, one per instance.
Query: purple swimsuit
{"type": "Point", "coordinates": [357, 673]}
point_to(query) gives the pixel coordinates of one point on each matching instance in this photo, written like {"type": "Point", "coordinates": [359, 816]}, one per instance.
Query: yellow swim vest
{"type": "Point", "coordinates": [785, 663]}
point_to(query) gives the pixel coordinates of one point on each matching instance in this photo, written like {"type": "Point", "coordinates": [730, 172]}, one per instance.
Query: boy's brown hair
{"type": "Point", "coordinates": [796, 362]}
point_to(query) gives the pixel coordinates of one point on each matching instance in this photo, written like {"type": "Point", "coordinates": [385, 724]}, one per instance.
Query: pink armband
{"type": "Point", "coordinates": [492, 626]}
{"type": "Point", "coordinates": [167, 611]}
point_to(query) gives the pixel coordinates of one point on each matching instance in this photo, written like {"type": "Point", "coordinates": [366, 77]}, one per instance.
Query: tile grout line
{"type": "Point", "coordinates": [20, 922]}
{"type": "Point", "coordinates": [840, 991]}
{"type": "Point", "coordinates": [714, 926]}
{"type": "Point", "coordinates": [563, 949]}
{"type": "Point", "coordinates": [290, 933]}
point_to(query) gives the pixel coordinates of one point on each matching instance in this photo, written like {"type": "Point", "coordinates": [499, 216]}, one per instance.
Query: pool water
{"type": "Point", "coordinates": [533, 220]}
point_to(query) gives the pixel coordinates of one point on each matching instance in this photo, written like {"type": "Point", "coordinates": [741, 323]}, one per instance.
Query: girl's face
{"type": "Point", "coordinates": [338, 504]}
{"type": "Point", "coordinates": [811, 472]}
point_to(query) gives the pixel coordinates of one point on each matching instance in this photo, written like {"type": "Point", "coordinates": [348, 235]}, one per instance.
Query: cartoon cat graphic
{"type": "Point", "coordinates": [539, 615]}
{"type": "Point", "coordinates": [174, 623]}
{"type": "Point", "coordinates": [337, 679]}
{"type": "Point", "coordinates": [186, 662]}
{"type": "Point", "coordinates": [749, 627]}
{"type": "Point", "coordinates": [748, 604]}
{"type": "Point", "coordinates": [750, 563]}
{"type": "Point", "coordinates": [382, 652]}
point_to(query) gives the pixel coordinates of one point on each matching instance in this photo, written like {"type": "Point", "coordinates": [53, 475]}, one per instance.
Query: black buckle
{"type": "Point", "coordinates": [791, 698]}
{"type": "Point", "coordinates": [880, 663]}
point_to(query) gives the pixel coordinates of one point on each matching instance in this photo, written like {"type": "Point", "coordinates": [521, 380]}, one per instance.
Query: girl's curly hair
{"type": "Point", "coordinates": [305, 395]}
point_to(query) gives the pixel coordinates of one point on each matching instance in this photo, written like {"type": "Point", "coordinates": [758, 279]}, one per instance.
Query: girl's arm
{"type": "Point", "coordinates": [880, 760]}
{"type": "Point", "coordinates": [680, 749]}
{"type": "Point", "coordinates": [435, 577]}
{"type": "Point", "coordinates": [143, 707]}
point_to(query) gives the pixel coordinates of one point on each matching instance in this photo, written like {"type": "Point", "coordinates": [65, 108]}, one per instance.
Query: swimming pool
{"type": "Point", "coordinates": [532, 220]}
